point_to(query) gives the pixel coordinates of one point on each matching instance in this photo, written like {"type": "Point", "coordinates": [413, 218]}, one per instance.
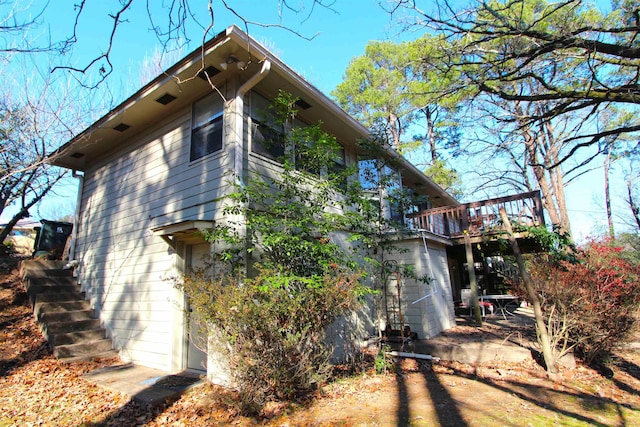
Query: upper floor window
{"type": "Point", "coordinates": [267, 140]}
{"type": "Point", "coordinates": [338, 167]}
{"type": "Point", "coordinates": [206, 128]}
{"type": "Point", "coordinates": [307, 155]}
{"type": "Point", "coordinates": [374, 174]}
{"type": "Point", "coordinates": [267, 134]}
{"type": "Point", "coordinates": [368, 173]}
{"type": "Point", "coordinates": [290, 138]}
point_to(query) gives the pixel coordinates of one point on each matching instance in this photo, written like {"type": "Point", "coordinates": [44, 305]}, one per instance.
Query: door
{"type": "Point", "coordinates": [196, 336]}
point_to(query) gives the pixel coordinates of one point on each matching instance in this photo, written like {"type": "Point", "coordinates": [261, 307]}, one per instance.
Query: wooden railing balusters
{"type": "Point", "coordinates": [481, 216]}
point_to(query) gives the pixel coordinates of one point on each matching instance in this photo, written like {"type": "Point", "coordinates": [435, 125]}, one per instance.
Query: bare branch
{"type": "Point", "coordinates": [104, 71]}
{"type": "Point", "coordinates": [247, 22]}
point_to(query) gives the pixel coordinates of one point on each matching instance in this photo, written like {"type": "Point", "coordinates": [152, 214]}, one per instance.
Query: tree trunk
{"type": "Point", "coordinates": [607, 195]}
{"type": "Point", "coordinates": [24, 211]}
{"type": "Point", "coordinates": [541, 178]}
{"type": "Point", "coordinates": [531, 147]}
{"type": "Point", "coordinates": [541, 327]}
{"type": "Point", "coordinates": [633, 204]}
{"type": "Point", "coordinates": [472, 279]}
{"type": "Point", "coordinates": [556, 178]}
{"type": "Point", "coordinates": [431, 135]}
{"type": "Point", "coordinates": [394, 129]}
{"type": "Point", "coordinates": [549, 180]}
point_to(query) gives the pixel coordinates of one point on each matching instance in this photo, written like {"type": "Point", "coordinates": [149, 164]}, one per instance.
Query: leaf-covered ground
{"type": "Point", "coordinates": [37, 390]}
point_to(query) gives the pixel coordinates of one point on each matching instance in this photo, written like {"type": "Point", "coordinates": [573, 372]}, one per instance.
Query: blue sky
{"type": "Point", "coordinates": [341, 33]}
{"type": "Point", "coordinates": [338, 35]}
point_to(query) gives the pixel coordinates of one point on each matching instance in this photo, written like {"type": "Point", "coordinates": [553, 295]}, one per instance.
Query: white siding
{"type": "Point", "coordinates": [125, 270]}
{"type": "Point", "coordinates": [427, 309]}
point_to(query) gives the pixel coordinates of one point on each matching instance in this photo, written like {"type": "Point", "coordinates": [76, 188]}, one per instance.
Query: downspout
{"type": "Point", "coordinates": [239, 118]}
{"type": "Point", "coordinates": [238, 129]}
{"type": "Point", "coordinates": [76, 220]}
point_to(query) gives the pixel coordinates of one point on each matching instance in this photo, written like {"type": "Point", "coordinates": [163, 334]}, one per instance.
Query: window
{"type": "Point", "coordinates": [267, 141]}
{"type": "Point", "coordinates": [206, 129]}
{"type": "Point", "coordinates": [399, 205]}
{"type": "Point", "coordinates": [368, 173]}
{"type": "Point", "coordinates": [307, 157]}
{"type": "Point", "coordinates": [374, 175]}
{"type": "Point", "coordinates": [293, 140]}
{"type": "Point", "coordinates": [339, 163]}
{"type": "Point", "coordinates": [338, 167]}
{"type": "Point", "coordinates": [267, 135]}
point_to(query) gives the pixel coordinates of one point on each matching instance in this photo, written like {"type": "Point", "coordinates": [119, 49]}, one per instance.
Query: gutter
{"type": "Point", "coordinates": [255, 79]}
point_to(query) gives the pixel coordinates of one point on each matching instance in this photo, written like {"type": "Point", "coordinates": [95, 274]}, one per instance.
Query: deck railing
{"type": "Point", "coordinates": [480, 217]}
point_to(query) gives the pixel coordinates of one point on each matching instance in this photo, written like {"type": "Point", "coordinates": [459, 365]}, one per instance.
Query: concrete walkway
{"type": "Point", "coordinates": [144, 385]}
{"type": "Point", "coordinates": [501, 339]}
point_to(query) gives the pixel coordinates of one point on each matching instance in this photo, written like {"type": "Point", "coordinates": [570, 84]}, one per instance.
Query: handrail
{"type": "Point", "coordinates": [480, 217]}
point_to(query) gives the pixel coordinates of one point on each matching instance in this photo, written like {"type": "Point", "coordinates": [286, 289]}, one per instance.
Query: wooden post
{"type": "Point", "coordinates": [472, 278]}
{"type": "Point", "coordinates": [464, 213]}
{"type": "Point", "coordinates": [541, 327]}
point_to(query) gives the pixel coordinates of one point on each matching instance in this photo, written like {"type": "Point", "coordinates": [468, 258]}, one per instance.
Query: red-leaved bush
{"type": "Point", "coordinates": [592, 304]}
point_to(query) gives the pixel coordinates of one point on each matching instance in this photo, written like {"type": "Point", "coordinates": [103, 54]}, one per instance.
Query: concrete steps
{"type": "Point", "coordinates": [66, 316]}
{"type": "Point", "coordinates": [82, 349]}
{"type": "Point", "coordinates": [59, 306]}
{"type": "Point", "coordinates": [70, 338]}
{"type": "Point", "coordinates": [66, 319]}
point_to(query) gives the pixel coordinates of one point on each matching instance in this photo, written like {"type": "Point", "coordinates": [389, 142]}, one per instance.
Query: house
{"type": "Point", "coordinates": [155, 169]}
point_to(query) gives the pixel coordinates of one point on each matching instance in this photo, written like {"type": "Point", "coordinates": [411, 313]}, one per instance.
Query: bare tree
{"type": "Point", "coordinates": [19, 19]}
{"type": "Point", "coordinates": [518, 154]}
{"type": "Point", "coordinates": [607, 192]}
{"type": "Point", "coordinates": [24, 177]}
{"type": "Point", "coordinates": [176, 24]}
{"type": "Point", "coordinates": [34, 120]}
{"type": "Point", "coordinates": [565, 74]}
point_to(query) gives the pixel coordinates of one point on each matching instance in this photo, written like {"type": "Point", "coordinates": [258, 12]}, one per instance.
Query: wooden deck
{"type": "Point", "coordinates": [480, 219]}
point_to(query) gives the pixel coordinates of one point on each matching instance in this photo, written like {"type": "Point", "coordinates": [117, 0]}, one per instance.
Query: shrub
{"type": "Point", "coordinates": [274, 326]}
{"type": "Point", "coordinates": [591, 304]}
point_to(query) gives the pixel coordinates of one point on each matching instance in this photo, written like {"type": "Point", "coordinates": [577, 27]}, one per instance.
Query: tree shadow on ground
{"type": "Point", "coordinates": [629, 368]}
{"type": "Point", "coordinates": [38, 351]}
{"type": "Point", "coordinates": [447, 410]}
{"type": "Point", "coordinates": [446, 406]}
{"type": "Point", "coordinates": [133, 413]}
{"type": "Point", "coordinates": [542, 396]}
{"type": "Point", "coordinates": [403, 396]}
